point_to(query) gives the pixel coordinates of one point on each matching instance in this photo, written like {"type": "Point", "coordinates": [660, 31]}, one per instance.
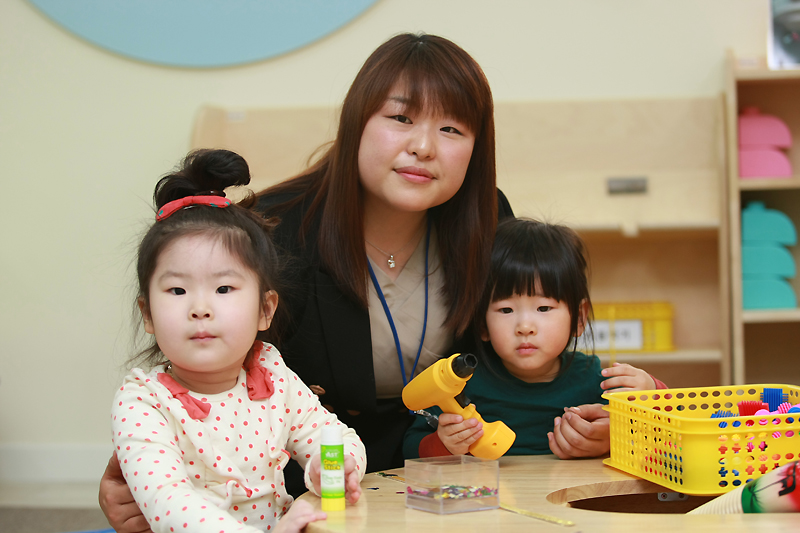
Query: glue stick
{"type": "Point", "coordinates": [332, 473]}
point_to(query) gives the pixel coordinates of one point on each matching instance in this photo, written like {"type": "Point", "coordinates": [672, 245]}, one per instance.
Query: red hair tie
{"type": "Point", "coordinates": [188, 201]}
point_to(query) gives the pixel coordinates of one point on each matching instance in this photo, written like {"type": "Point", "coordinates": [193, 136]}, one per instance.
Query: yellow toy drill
{"type": "Point", "coordinates": [439, 384]}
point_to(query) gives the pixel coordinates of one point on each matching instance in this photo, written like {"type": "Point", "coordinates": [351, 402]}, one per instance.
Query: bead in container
{"type": "Point", "coordinates": [453, 484]}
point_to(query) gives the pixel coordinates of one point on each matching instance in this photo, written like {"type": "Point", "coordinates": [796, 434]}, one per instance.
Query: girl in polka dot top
{"type": "Point", "coordinates": [204, 435]}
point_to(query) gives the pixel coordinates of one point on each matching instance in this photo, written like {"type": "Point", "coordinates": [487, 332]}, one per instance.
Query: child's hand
{"type": "Point", "coordinates": [352, 482]}
{"type": "Point", "coordinates": [458, 434]}
{"type": "Point", "coordinates": [626, 377]}
{"type": "Point", "coordinates": [582, 431]}
{"type": "Point", "coordinates": [299, 515]}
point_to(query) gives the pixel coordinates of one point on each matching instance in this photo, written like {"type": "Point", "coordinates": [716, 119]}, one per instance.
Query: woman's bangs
{"type": "Point", "coordinates": [436, 91]}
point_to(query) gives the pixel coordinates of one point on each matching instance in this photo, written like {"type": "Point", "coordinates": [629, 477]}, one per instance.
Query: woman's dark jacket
{"type": "Point", "coordinates": [328, 341]}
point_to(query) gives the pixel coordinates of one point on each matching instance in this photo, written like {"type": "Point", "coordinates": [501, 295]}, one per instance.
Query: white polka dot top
{"type": "Point", "coordinates": [224, 472]}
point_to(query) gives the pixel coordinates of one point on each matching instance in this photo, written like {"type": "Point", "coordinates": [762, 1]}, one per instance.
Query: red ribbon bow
{"type": "Point", "coordinates": [259, 385]}
{"type": "Point", "coordinates": [259, 379]}
{"type": "Point", "coordinates": [196, 409]}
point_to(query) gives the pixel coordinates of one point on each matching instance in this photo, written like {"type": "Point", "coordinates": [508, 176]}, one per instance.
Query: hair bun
{"type": "Point", "coordinates": [202, 171]}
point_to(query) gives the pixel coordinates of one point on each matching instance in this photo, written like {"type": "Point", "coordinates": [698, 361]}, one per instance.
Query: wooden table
{"type": "Point", "coordinates": [544, 484]}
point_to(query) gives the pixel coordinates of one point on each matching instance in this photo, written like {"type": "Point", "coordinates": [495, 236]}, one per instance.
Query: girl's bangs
{"type": "Point", "coordinates": [526, 273]}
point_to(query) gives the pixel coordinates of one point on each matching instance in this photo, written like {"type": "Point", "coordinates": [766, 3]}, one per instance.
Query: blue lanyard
{"type": "Point", "coordinates": [389, 313]}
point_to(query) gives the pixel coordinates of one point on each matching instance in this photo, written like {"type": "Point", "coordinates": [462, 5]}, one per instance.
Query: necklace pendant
{"type": "Point", "coordinates": [391, 262]}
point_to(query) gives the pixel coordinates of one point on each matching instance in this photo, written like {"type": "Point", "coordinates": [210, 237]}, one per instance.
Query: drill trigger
{"type": "Point", "coordinates": [462, 399]}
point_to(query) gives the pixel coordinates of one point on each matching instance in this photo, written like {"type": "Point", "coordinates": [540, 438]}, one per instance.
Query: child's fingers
{"type": "Point", "coordinates": [315, 471]}
{"type": "Point", "coordinates": [468, 436]}
{"type": "Point", "coordinates": [618, 369]}
{"type": "Point", "coordinates": [560, 444]}
{"type": "Point", "coordinates": [465, 428]}
{"type": "Point", "coordinates": [447, 419]}
{"type": "Point", "coordinates": [589, 411]}
{"type": "Point", "coordinates": [587, 429]}
{"type": "Point", "coordinates": [353, 488]}
{"type": "Point", "coordinates": [349, 464]}
{"type": "Point", "coordinates": [580, 438]}
{"type": "Point", "coordinates": [555, 448]}
{"type": "Point", "coordinates": [454, 435]}
{"type": "Point", "coordinates": [458, 442]}
{"type": "Point", "coordinates": [637, 378]}
{"type": "Point", "coordinates": [617, 382]}
{"type": "Point", "coordinates": [352, 481]}
{"type": "Point", "coordinates": [569, 439]}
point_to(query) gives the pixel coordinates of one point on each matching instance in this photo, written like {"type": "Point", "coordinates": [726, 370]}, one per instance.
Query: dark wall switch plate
{"type": "Point", "coordinates": [627, 185]}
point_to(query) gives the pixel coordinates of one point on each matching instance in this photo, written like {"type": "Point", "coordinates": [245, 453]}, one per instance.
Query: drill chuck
{"type": "Point", "coordinates": [464, 365]}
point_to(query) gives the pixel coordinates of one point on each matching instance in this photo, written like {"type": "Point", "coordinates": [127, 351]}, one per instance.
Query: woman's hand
{"type": "Point", "coordinates": [625, 378]}
{"type": "Point", "coordinates": [117, 502]}
{"type": "Point", "coordinates": [582, 431]}
{"type": "Point", "coordinates": [458, 434]}
{"type": "Point", "coordinates": [352, 481]}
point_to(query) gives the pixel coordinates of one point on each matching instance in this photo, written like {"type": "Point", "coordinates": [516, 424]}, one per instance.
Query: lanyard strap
{"type": "Point", "coordinates": [389, 313]}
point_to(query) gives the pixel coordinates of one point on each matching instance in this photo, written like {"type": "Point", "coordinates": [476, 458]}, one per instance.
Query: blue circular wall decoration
{"type": "Point", "coordinates": [201, 33]}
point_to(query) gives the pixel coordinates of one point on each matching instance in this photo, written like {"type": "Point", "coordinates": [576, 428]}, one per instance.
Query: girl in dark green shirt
{"type": "Point", "coordinates": [535, 306]}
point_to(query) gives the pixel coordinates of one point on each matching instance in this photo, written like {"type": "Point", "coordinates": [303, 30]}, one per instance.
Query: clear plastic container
{"type": "Point", "coordinates": [453, 484]}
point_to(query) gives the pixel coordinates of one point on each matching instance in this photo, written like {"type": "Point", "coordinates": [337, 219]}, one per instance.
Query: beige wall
{"type": "Point", "coordinates": [84, 134]}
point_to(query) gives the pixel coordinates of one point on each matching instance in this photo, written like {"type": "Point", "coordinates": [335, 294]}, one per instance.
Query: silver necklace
{"type": "Point", "coordinates": [391, 262]}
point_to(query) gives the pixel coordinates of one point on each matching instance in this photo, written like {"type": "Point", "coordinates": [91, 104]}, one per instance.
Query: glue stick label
{"type": "Point", "coordinates": [332, 474]}
{"type": "Point", "coordinates": [331, 477]}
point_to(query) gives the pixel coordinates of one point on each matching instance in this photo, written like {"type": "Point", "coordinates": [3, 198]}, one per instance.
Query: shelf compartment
{"type": "Point", "coordinates": [688, 367]}
{"type": "Point", "coordinates": [688, 356]}
{"type": "Point", "coordinates": [786, 201]}
{"type": "Point", "coordinates": [772, 355]}
{"type": "Point", "coordinates": [777, 97]}
{"type": "Point", "coordinates": [673, 266]}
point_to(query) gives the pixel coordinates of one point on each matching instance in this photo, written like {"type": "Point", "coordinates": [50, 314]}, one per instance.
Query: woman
{"type": "Point", "coordinates": [389, 237]}
{"type": "Point", "coordinates": [423, 156]}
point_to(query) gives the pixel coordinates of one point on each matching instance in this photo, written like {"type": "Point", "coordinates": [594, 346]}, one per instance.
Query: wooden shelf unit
{"type": "Point", "coordinates": [764, 343]}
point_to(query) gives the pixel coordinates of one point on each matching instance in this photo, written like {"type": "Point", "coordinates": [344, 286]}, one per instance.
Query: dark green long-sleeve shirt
{"type": "Point", "coordinates": [527, 408]}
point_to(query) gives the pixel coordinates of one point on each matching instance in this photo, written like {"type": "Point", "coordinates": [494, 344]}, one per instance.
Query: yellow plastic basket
{"type": "Point", "coordinates": [668, 437]}
{"type": "Point", "coordinates": [652, 322]}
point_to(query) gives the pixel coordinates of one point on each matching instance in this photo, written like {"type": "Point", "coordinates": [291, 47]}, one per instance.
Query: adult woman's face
{"type": "Point", "coordinates": [410, 162]}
